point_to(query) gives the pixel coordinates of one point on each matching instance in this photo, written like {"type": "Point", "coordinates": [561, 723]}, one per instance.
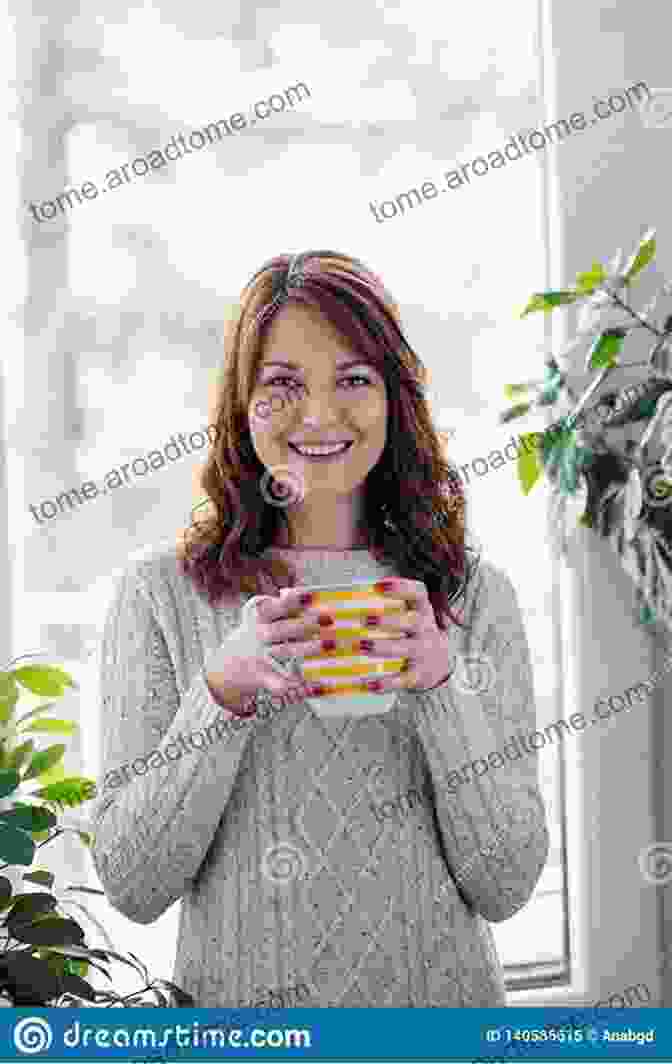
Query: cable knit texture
{"type": "Point", "coordinates": [271, 830]}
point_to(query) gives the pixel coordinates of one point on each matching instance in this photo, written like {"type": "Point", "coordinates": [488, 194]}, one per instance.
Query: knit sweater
{"type": "Point", "coordinates": [291, 838]}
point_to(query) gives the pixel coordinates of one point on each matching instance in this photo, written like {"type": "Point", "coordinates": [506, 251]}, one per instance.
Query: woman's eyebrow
{"type": "Point", "coordinates": [293, 365]}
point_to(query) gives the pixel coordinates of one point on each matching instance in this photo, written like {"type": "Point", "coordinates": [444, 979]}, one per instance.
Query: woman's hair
{"type": "Point", "coordinates": [414, 506]}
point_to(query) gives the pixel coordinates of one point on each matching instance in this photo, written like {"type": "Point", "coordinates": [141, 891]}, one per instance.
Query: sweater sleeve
{"type": "Point", "coordinates": [164, 789]}
{"type": "Point", "coordinates": [490, 813]}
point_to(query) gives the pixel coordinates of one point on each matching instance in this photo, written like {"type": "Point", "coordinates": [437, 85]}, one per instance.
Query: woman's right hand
{"type": "Point", "coordinates": [284, 625]}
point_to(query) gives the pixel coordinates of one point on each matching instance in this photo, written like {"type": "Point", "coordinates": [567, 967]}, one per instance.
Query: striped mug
{"type": "Point", "coordinates": [343, 670]}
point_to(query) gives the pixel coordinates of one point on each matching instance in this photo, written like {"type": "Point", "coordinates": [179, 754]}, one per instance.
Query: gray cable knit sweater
{"type": "Point", "coordinates": [292, 840]}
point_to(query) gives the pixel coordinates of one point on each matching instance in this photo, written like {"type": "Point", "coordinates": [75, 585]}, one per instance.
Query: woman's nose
{"type": "Point", "coordinates": [317, 408]}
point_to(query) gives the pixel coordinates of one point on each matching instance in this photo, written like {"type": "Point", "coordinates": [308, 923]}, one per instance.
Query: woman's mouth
{"type": "Point", "coordinates": [322, 452]}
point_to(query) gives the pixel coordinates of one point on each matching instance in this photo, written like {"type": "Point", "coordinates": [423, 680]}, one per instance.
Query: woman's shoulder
{"type": "Point", "coordinates": [152, 566]}
{"type": "Point", "coordinates": [489, 591]}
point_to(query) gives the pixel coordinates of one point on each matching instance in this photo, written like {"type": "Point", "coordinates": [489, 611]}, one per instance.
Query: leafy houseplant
{"type": "Point", "coordinates": [624, 493]}
{"type": "Point", "coordinates": [44, 956]}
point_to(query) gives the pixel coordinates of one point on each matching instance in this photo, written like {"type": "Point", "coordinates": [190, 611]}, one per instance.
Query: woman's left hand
{"type": "Point", "coordinates": [425, 646]}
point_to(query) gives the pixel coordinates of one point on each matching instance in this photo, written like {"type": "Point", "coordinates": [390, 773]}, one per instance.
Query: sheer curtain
{"type": "Point", "coordinates": [144, 278]}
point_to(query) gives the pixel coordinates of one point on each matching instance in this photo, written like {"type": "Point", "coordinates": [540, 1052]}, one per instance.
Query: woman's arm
{"type": "Point", "coordinates": [163, 795]}
{"type": "Point", "coordinates": [491, 816]}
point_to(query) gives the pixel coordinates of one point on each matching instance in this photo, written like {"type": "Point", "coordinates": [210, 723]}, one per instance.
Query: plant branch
{"type": "Point", "coordinates": [592, 387]}
{"type": "Point", "coordinates": [59, 831]}
{"type": "Point", "coordinates": [642, 321]}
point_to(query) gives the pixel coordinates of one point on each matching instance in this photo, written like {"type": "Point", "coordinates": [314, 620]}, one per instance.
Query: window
{"type": "Point", "coordinates": [146, 274]}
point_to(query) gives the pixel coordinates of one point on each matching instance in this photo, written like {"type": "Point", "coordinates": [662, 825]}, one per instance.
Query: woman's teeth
{"type": "Point", "coordinates": [320, 451]}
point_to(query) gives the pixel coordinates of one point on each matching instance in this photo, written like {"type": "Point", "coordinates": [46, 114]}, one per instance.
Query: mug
{"type": "Point", "coordinates": [344, 669]}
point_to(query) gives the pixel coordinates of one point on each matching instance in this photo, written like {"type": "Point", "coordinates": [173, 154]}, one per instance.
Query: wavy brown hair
{"type": "Point", "coordinates": [414, 506]}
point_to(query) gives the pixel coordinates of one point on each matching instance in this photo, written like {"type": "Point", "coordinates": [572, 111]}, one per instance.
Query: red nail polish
{"type": "Point", "coordinates": [306, 599]}
{"type": "Point", "coordinates": [372, 620]}
{"type": "Point", "coordinates": [384, 585]}
{"type": "Point", "coordinates": [373, 685]}
{"type": "Point", "coordinates": [317, 690]}
{"type": "Point", "coordinates": [366, 644]}
{"type": "Point", "coordinates": [324, 619]}
{"type": "Point", "coordinates": [328, 644]}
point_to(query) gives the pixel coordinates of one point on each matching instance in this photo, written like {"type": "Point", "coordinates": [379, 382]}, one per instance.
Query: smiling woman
{"type": "Point", "coordinates": [345, 484]}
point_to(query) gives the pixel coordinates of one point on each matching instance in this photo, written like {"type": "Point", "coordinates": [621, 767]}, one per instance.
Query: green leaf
{"type": "Point", "coordinates": [513, 391]}
{"type": "Point", "coordinates": [43, 760]}
{"type": "Point", "coordinates": [643, 408]}
{"type": "Point", "coordinates": [515, 411]}
{"type": "Point", "coordinates": [568, 470]}
{"type": "Point", "coordinates": [605, 348]}
{"type": "Point", "coordinates": [9, 781]}
{"type": "Point", "coordinates": [66, 727]}
{"type": "Point", "coordinates": [7, 684]}
{"type": "Point", "coordinates": [44, 679]}
{"type": "Point", "coordinates": [9, 696]}
{"type": "Point", "coordinates": [33, 712]}
{"type": "Point", "coordinates": [53, 775]}
{"type": "Point", "coordinates": [28, 817]}
{"type": "Point", "coordinates": [29, 906]}
{"type": "Point", "coordinates": [80, 967]}
{"type": "Point", "coordinates": [40, 876]}
{"type": "Point", "coordinates": [16, 846]}
{"type": "Point", "coordinates": [586, 283]}
{"type": "Point", "coordinates": [20, 754]}
{"type": "Point", "coordinates": [71, 791]}
{"type": "Point", "coordinates": [529, 467]}
{"type": "Point", "coordinates": [549, 300]}
{"type": "Point", "coordinates": [552, 384]}
{"type": "Point", "coordinates": [28, 979]}
{"type": "Point", "coordinates": [72, 984]}
{"type": "Point", "coordinates": [53, 931]}
{"type": "Point", "coordinates": [642, 256]}
{"type": "Point", "coordinates": [5, 892]}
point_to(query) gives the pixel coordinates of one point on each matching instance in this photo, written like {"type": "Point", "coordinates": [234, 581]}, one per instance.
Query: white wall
{"type": "Point", "coordinates": [613, 181]}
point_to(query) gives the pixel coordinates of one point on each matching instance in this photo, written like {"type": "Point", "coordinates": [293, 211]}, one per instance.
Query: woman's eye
{"type": "Point", "coordinates": [357, 377]}
{"type": "Point", "coordinates": [295, 384]}
{"type": "Point", "coordinates": [276, 380]}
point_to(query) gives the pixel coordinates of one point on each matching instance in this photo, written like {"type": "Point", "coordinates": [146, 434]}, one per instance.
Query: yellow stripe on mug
{"type": "Point", "coordinates": [347, 603]}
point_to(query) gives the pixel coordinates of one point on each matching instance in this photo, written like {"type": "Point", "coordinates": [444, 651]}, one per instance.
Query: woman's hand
{"type": "Point", "coordinates": [240, 667]}
{"type": "Point", "coordinates": [420, 641]}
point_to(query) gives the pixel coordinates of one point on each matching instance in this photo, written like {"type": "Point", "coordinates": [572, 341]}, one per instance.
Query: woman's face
{"type": "Point", "coordinates": [312, 388]}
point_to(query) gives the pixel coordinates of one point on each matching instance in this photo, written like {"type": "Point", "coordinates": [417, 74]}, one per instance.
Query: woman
{"type": "Point", "coordinates": [272, 832]}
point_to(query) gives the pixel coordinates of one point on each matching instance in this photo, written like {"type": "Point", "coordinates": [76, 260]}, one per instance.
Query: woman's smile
{"type": "Point", "coordinates": [321, 452]}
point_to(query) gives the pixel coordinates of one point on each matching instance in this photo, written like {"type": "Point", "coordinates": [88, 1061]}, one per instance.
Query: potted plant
{"type": "Point", "coordinates": [44, 956]}
{"type": "Point", "coordinates": [623, 492]}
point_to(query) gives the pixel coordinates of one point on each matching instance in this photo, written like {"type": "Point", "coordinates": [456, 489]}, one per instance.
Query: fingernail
{"type": "Point", "coordinates": [384, 585]}
{"type": "Point", "coordinates": [317, 690]}
{"type": "Point", "coordinates": [328, 644]}
{"type": "Point", "coordinates": [306, 599]}
{"type": "Point", "coordinates": [324, 619]}
{"type": "Point", "coordinates": [366, 644]}
{"type": "Point", "coordinates": [373, 685]}
{"type": "Point", "coordinates": [372, 620]}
